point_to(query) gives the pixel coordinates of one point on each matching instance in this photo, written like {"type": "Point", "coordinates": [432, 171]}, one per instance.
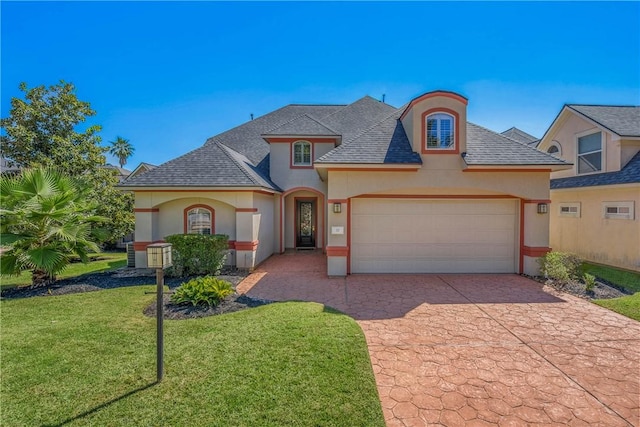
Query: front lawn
{"type": "Point", "coordinates": [628, 305]}
{"type": "Point", "coordinates": [100, 262]}
{"type": "Point", "coordinates": [89, 359]}
{"type": "Point", "coordinates": [629, 280]}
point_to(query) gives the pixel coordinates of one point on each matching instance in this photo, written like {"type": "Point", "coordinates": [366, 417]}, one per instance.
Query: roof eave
{"type": "Point", "coordinates": [199, 188]}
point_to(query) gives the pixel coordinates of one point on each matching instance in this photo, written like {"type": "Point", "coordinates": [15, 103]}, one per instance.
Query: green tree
{"type": "Point", "coordinates": [47, 129]}
{"type": "Point", "coordinates": [45, 220]}
{"type": "Point", "coordinates": [122, 149]}
{"type": "Point", "coordinates": [42, 131]}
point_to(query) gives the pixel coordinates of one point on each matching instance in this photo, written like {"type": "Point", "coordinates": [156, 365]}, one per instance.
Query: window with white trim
{"type": "Point", "coordinates": [440, 134]}
{"type": "Point", "coordinates": [199, 221]}
{"type": "Point", "coordinates": [618, 210]}
{"type": "Point", "coordinates": [569, 209]}
{"type": "Point", "coordinates": [590, 153]}
{"type": "Point", "coordinates": [302, 153]}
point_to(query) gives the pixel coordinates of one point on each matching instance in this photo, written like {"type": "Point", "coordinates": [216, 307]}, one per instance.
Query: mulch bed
{"type": "Point", "coordinates": [602, 289]}
{"type": "Point", "coordinates": [132, 277]}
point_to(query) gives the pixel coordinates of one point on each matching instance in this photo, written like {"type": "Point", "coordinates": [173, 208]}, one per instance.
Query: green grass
{"type": "Point", "coordinates": [627, 306]}
{"type": "Point", "coordinates": [103, 262]}
{"type": "Point", "coordinates": [89, 359]}
{"type": "Point", "coordinates": [629, 280]}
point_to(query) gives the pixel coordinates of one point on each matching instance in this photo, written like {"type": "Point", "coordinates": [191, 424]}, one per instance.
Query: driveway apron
{"type": "Point", "coordinates": [475, 349]}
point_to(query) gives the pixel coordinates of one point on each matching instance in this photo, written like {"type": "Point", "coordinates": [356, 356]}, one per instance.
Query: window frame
{"type": "Point", "coordinates": [455, 148]}
{"type": "Point", "coordinates": [602, 151]}
{"type": "Point", "coordinates": [212, 214]}
{"type": "Point", "coordinates": [301, 143]}
{"type": "Point", "coordinates": [557, 146]}
{"type": "Point", "coordinates": [570, 206]}
{"type": "Point", "coordinates": [626, 205]}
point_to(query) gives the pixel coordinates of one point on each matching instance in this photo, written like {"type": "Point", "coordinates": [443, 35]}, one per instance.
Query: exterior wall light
{"type": "Point", "coordinates": [543, 208]}
{"type": "Point", "coordinates": [337, 207]}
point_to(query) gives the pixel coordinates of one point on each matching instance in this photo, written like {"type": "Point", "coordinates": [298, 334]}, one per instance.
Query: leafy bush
{"type": "Point", "coordinates": [206, 290]}
{"type": "Point", "coordinates": [560, 266]}
{"type": "Point", "coordinates": [197, 254]}
{"type": "Point", "coordinates": [589, 282]}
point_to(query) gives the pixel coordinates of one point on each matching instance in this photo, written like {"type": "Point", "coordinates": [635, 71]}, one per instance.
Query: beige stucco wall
{"type": "Point", "coordinates": [171, 217]}
{"type": "Point", "coordinates": [443, 176]}
{"type": "Point", "coordinates": [412, 120]}
{"type": "Point", "coordinates": [263, 229]}
{"type": "Point", "coordinates": [608, 241]}
{"type": "Point", "coordinates": [285, 177]}
{"type": "Point", "coordinates": [234, 216]}
{"type": "Point", "coordinates": [566, 133]}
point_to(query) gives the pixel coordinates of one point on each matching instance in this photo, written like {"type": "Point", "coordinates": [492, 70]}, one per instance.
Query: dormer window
{"type": "Point", "coordinates": [301, 153]}
{"type": "Point", "coordinates": [440, 132]}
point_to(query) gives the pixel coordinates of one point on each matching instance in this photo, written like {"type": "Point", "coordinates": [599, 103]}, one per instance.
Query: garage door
{"type": "Point", "coordinates": [433, 236]}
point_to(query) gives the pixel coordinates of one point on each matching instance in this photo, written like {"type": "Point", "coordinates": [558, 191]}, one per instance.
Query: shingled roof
{"type": "Point", "coordinates": [302, 125]}
{"type": "Point", "coordinates": [621, 120]}
{"type": "Point", "coordinates": [520, 136]}
{"type": "Point", "coordinates": [370, 131]}
{"type": "Point", "coordinates": [486, 147]}
{"type": "Point", "coordinates": [628, 175]}
{"type": "Point", "coordinates": [383, 143]}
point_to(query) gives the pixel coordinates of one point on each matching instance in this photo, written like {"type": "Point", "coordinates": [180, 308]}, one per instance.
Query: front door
{"type": "Point", "coordinates": [306, 224]}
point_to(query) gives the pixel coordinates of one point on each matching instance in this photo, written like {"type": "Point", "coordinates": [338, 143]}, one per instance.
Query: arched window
{"type": "Point", "coordinates": [440, 134]}
{"type": "Point", "coordinates": [554, 149]}
{"type": "Point", "coordinates": [199, 220]}
{"type": "Point", "coordinates": [301, 153]}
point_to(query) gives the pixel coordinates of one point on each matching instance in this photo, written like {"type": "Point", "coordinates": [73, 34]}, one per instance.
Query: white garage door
{"type": "Point", "coordinates": [433, 236]}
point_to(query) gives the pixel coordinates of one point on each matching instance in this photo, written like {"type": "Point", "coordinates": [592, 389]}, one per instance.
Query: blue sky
{"type": "Point", "coordinates": [168, 75]}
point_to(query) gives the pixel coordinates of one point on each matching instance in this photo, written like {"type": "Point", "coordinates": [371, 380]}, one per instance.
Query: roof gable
{"type": "Point", "coordinates": [302, 125]}
{"type": "Point", "coordinates": [384, 143]}
{"type": "Point", "coordinates": [519, 135]}
{"type": "Point", "coordinates": [621, 120]}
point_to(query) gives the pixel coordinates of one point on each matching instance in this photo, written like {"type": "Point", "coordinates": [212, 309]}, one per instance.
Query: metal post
{"type": "Point", "coordinates": [159, 323]}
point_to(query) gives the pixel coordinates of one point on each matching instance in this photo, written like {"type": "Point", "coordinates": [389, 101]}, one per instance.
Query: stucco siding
{"type": "Point", "coordinates": [613, 242]}
{"type": "Point", "coordinates": [171, 217]}
{"type": "Point", "coordinates": [263, 226]}
{"type": "Point", "coordinates": [286, 177]}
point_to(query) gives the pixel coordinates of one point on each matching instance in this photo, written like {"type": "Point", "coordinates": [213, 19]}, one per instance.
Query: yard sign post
{"type": "Point", "coordinates": [159, 257]}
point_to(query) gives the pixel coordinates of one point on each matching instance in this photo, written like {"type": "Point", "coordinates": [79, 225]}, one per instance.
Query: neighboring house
{"type": "Point", "coordinates": [7, 167]}
{"type": "Point", "coordinates": [520, 136]}
{"type": "Point", "coordinates": [141, 168]}
{"type": "Point", "coordinates": [594, 204]}
{"type": "Point", "coordinates": [380, 189]}
{"type": "Point", "coordinates": [121, 172]}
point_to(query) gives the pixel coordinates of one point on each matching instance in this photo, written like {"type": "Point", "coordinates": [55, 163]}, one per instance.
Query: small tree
{"type": "Point", "coordinates": [122, 149]}
{"type": "Point", "coordinates": [45, 221]}
{"type": "Point", "coordinates": [46, 129]}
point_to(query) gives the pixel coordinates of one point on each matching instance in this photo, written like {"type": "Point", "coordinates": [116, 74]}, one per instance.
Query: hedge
{"type": "Point", "coordinates": [197, 254]}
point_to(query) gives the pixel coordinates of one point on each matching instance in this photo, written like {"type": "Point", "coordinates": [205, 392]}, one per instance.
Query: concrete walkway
{"type": "Point", "coordinates": [460, 349]}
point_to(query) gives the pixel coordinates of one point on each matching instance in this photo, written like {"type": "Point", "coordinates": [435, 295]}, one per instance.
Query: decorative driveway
{"type": "Point", "coordinates": [473, 349]}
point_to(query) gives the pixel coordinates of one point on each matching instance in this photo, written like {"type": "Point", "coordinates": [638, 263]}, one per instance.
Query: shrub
{"type": "Point", "coordinates": [197, 254]}
{"type": "Point", "coordinates": [589, 282]}
{"type": "Point", "coordinates": [206, 290]}
{"type": "Point", "coordinates": [560, 266]}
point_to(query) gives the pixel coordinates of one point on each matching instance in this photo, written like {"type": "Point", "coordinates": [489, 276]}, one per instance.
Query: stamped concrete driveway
{"type": "Point", "coordinates": [476, 350]}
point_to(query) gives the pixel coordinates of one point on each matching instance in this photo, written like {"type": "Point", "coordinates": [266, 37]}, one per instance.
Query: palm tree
{"type": "Point", "coordinates": [45, 220]}
{"type": "Point", "coordinates": [122, 149]}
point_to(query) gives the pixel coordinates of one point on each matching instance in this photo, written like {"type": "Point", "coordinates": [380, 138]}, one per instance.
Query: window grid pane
{"type": "Point", "coordinates": [199, 221]}
{"type": "Point", "coordinates": [302, 153]}
{"type": "Point", "coordinates": [439, 132]}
